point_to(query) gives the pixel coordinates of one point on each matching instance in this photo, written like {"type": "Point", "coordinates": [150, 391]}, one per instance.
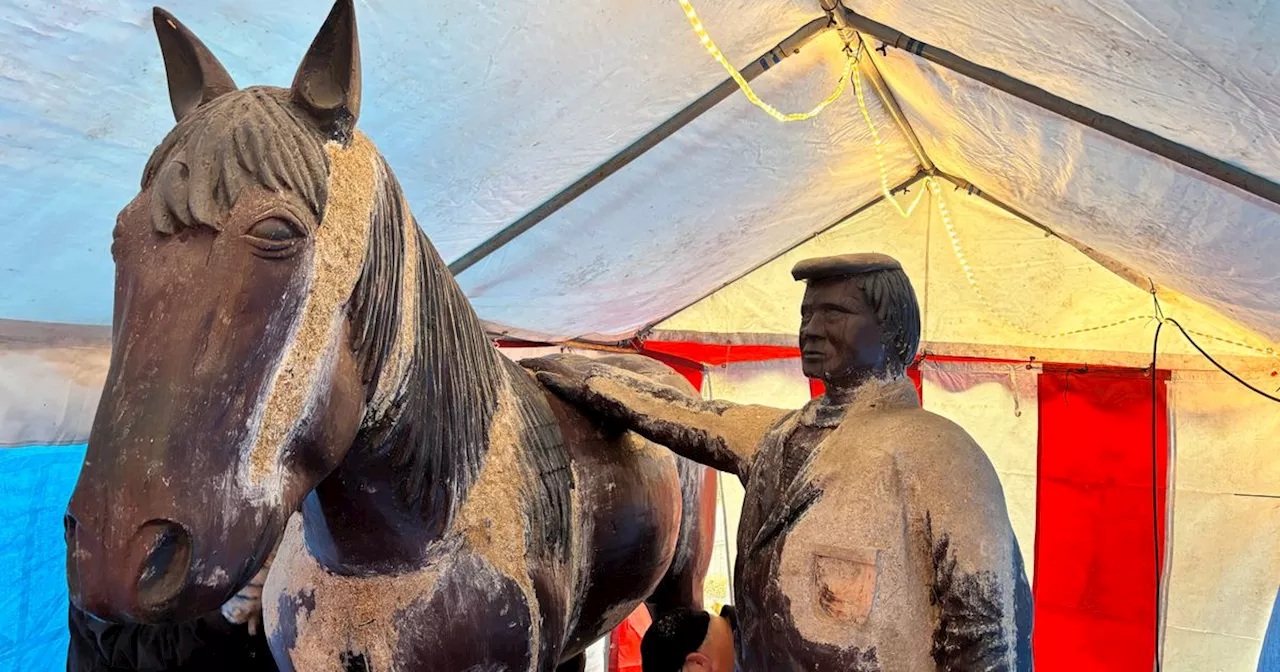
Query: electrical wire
{"type": "Point", "coordinates": [1161, 320]}
{"type": "Point", "coordinates": [1222, 368]}
{"type": "Point", "coordinates": [1155, 469]}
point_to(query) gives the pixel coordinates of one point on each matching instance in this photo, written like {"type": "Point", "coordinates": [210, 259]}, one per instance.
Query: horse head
{"type": "Point", "coordinates": [243, 357]}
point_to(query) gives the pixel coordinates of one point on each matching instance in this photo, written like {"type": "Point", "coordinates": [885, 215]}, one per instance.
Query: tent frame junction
{"type": "Point", "coordinates": [854, 26]}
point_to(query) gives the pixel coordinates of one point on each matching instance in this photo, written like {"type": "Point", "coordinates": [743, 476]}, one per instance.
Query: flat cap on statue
{"type": "Point", "coordinates": [844, 265]}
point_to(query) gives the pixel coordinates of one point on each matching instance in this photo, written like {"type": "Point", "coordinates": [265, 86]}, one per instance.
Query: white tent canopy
{"type": "Point", "coordinates": [1033, 296]}
{"type": "Point", "coordinates": [1042, 239]}
{"type": "Point", "coordinates": [1155, 218]}
{"type": "Point", "coordinates": [486, 114]}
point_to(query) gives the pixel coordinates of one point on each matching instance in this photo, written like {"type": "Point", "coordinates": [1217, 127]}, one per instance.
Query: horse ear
{"type": "Point", "coordinates": [195, 75]}
{"type": "Point", "coordinates": [328, 81]}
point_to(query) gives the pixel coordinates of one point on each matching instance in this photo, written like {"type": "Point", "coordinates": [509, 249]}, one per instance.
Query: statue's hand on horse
{"type": "Point", "coordinates": [718, 434]}
{"type": "Point", "coordinates": [569, 377]}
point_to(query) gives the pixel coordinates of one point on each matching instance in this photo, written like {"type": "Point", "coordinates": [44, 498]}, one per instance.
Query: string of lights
{"type": "Point", "coordinates": [710, 45]}
{"type": "Point", "coordinates": [875, 135]}
{"type": "Point", "coordinates": [957, 247]}
{"type": "Point", "coordinates": [851, 72]}
{"type": "Point", "coordinates": [1158, 317]}
{"type": "Point", "coordinates": [1268, 352]}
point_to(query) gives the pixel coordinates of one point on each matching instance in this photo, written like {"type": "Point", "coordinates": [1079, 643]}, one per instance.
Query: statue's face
{"type": "Point", "coordinates": [840, 339]}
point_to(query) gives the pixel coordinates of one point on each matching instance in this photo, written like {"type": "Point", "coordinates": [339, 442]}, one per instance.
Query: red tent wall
{"type": "Point", "coordinates": [1096, 528]}
{"type": "Point", "coordinates": [624, 641]}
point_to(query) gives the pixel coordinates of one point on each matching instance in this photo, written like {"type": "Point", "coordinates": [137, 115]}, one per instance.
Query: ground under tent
{"type": "Point", "coordinates": [560, 155]}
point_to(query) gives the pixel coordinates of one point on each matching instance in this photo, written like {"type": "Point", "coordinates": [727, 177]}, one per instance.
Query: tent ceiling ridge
{"type": "Point", "coordinates": [1188, 157]}
{"type": "Point", "coordinates": [890, 102]}
{"type": "Point", "coordinates": [787, 47]}
{"type": "Point", "coordinates": [920, 174]}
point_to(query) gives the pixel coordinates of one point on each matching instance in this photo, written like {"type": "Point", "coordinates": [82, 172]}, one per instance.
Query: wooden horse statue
{"type": "Point", "coordinates": [286, 338]}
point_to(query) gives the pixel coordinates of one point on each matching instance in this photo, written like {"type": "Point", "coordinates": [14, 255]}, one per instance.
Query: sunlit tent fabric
{"type": "Point", "coordinates": [1034, 249]}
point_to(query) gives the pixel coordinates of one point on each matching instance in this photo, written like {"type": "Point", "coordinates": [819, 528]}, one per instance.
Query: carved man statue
{"type": "Point", "coordinates": [874, 534]}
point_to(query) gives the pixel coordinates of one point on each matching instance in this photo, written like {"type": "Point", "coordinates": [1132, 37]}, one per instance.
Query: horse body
{"type": "Point", "coordinates": [505, 587]}
{"type": "Point", "coordinates": [454, 515]}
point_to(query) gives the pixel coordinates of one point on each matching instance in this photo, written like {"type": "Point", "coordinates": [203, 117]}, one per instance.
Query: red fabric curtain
{"type": "Point", "coordinates": [716, 354]}
{"type": "Point", "coordinates": [624, 642]}
{"type": "Point", "coordinates": [1096, 530]}
{"type": "Point", "coordinates": [690, 369]}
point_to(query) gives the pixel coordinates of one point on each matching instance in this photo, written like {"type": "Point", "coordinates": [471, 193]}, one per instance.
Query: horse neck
{"type": "Point", "coordinates": [425, 434]}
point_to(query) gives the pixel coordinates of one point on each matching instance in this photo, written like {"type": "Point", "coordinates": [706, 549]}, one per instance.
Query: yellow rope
{"type": "Point", "coordinates": [932, 184]}
{"type": "Point", "coordinates": [715, 52]}
{"type": "Point", "coordinates": [969, 275]}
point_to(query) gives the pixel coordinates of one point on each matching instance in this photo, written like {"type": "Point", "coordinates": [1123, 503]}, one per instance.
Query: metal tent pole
{"type": "Point", "coordinates": [1121, 271]}
{"type": "Point", "coordinates": [774, 256]}
{"type": "Point", "coordinates": [1181, 154]}
{"type": "Point", "coordinates": [789, 46]}
{"type": "Point", "coordinates": [891, 105]}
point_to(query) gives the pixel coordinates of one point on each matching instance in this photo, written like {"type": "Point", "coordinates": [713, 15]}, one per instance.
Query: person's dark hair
{"type": "Point", "coordinates": [672, 638]}
{"type": "Point", "coordinates": [890, 295]}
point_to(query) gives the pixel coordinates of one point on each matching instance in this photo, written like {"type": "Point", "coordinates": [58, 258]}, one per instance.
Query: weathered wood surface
{"type": "Point", "coordinates": [874, 534]}
{"type": "Point", "coordinates": [287, 339]}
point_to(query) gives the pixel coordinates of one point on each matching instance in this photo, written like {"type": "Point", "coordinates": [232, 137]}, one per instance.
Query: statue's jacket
{"type": "Point", "coordinates": [874, 537]}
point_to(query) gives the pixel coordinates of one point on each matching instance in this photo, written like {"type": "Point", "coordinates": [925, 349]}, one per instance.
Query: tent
{"type": "Point", "coordinates": [1053, 176]}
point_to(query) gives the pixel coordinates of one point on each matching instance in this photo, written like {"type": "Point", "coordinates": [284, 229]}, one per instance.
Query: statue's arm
{"type": "Point", "coordinates": [979, 583]}
{"type": "Point", "coordinates": [715, 433]}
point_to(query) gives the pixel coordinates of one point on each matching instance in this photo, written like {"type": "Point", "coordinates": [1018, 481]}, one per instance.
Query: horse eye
{"type": "Point", "coordinates": [274, 229]}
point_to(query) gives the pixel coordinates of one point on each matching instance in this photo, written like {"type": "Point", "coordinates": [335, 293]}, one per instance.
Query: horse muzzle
{"type": "Point", "coordinates": [141, 581]}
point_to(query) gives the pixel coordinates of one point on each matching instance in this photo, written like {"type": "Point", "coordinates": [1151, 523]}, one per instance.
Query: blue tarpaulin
{"type": "Point", "coordinates": [1269, 661]}
{"type": "Point", "coordinates": [34, 490]}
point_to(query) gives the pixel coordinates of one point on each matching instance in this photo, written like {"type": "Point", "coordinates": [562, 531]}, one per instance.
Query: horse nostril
{"type": "Point", "coordinates": [167, 563]}
{"type": "Point", "coordinates": [69, 529]}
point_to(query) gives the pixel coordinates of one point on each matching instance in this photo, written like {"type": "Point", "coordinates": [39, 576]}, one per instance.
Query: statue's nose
{"type": "Point", "coordinates": [809, 329]}
{"type": "Point", "coordinates": [136, 580]}
{"type": "Point", "coordinates": [166, 549]}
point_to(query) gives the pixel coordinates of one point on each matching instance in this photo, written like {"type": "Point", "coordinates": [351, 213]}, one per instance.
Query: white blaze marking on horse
{"type": "Point", "coordinates": [306, 367]}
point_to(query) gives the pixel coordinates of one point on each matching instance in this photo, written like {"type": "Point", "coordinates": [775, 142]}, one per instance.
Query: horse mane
{"type": "Point", "coordinates": [251, 137]}
{"type": "Point", "coordinates": [437, 431]}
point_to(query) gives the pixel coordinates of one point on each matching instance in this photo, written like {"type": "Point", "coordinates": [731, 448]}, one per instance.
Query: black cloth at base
{"type": "Point", "coordinates": [207, 644]}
